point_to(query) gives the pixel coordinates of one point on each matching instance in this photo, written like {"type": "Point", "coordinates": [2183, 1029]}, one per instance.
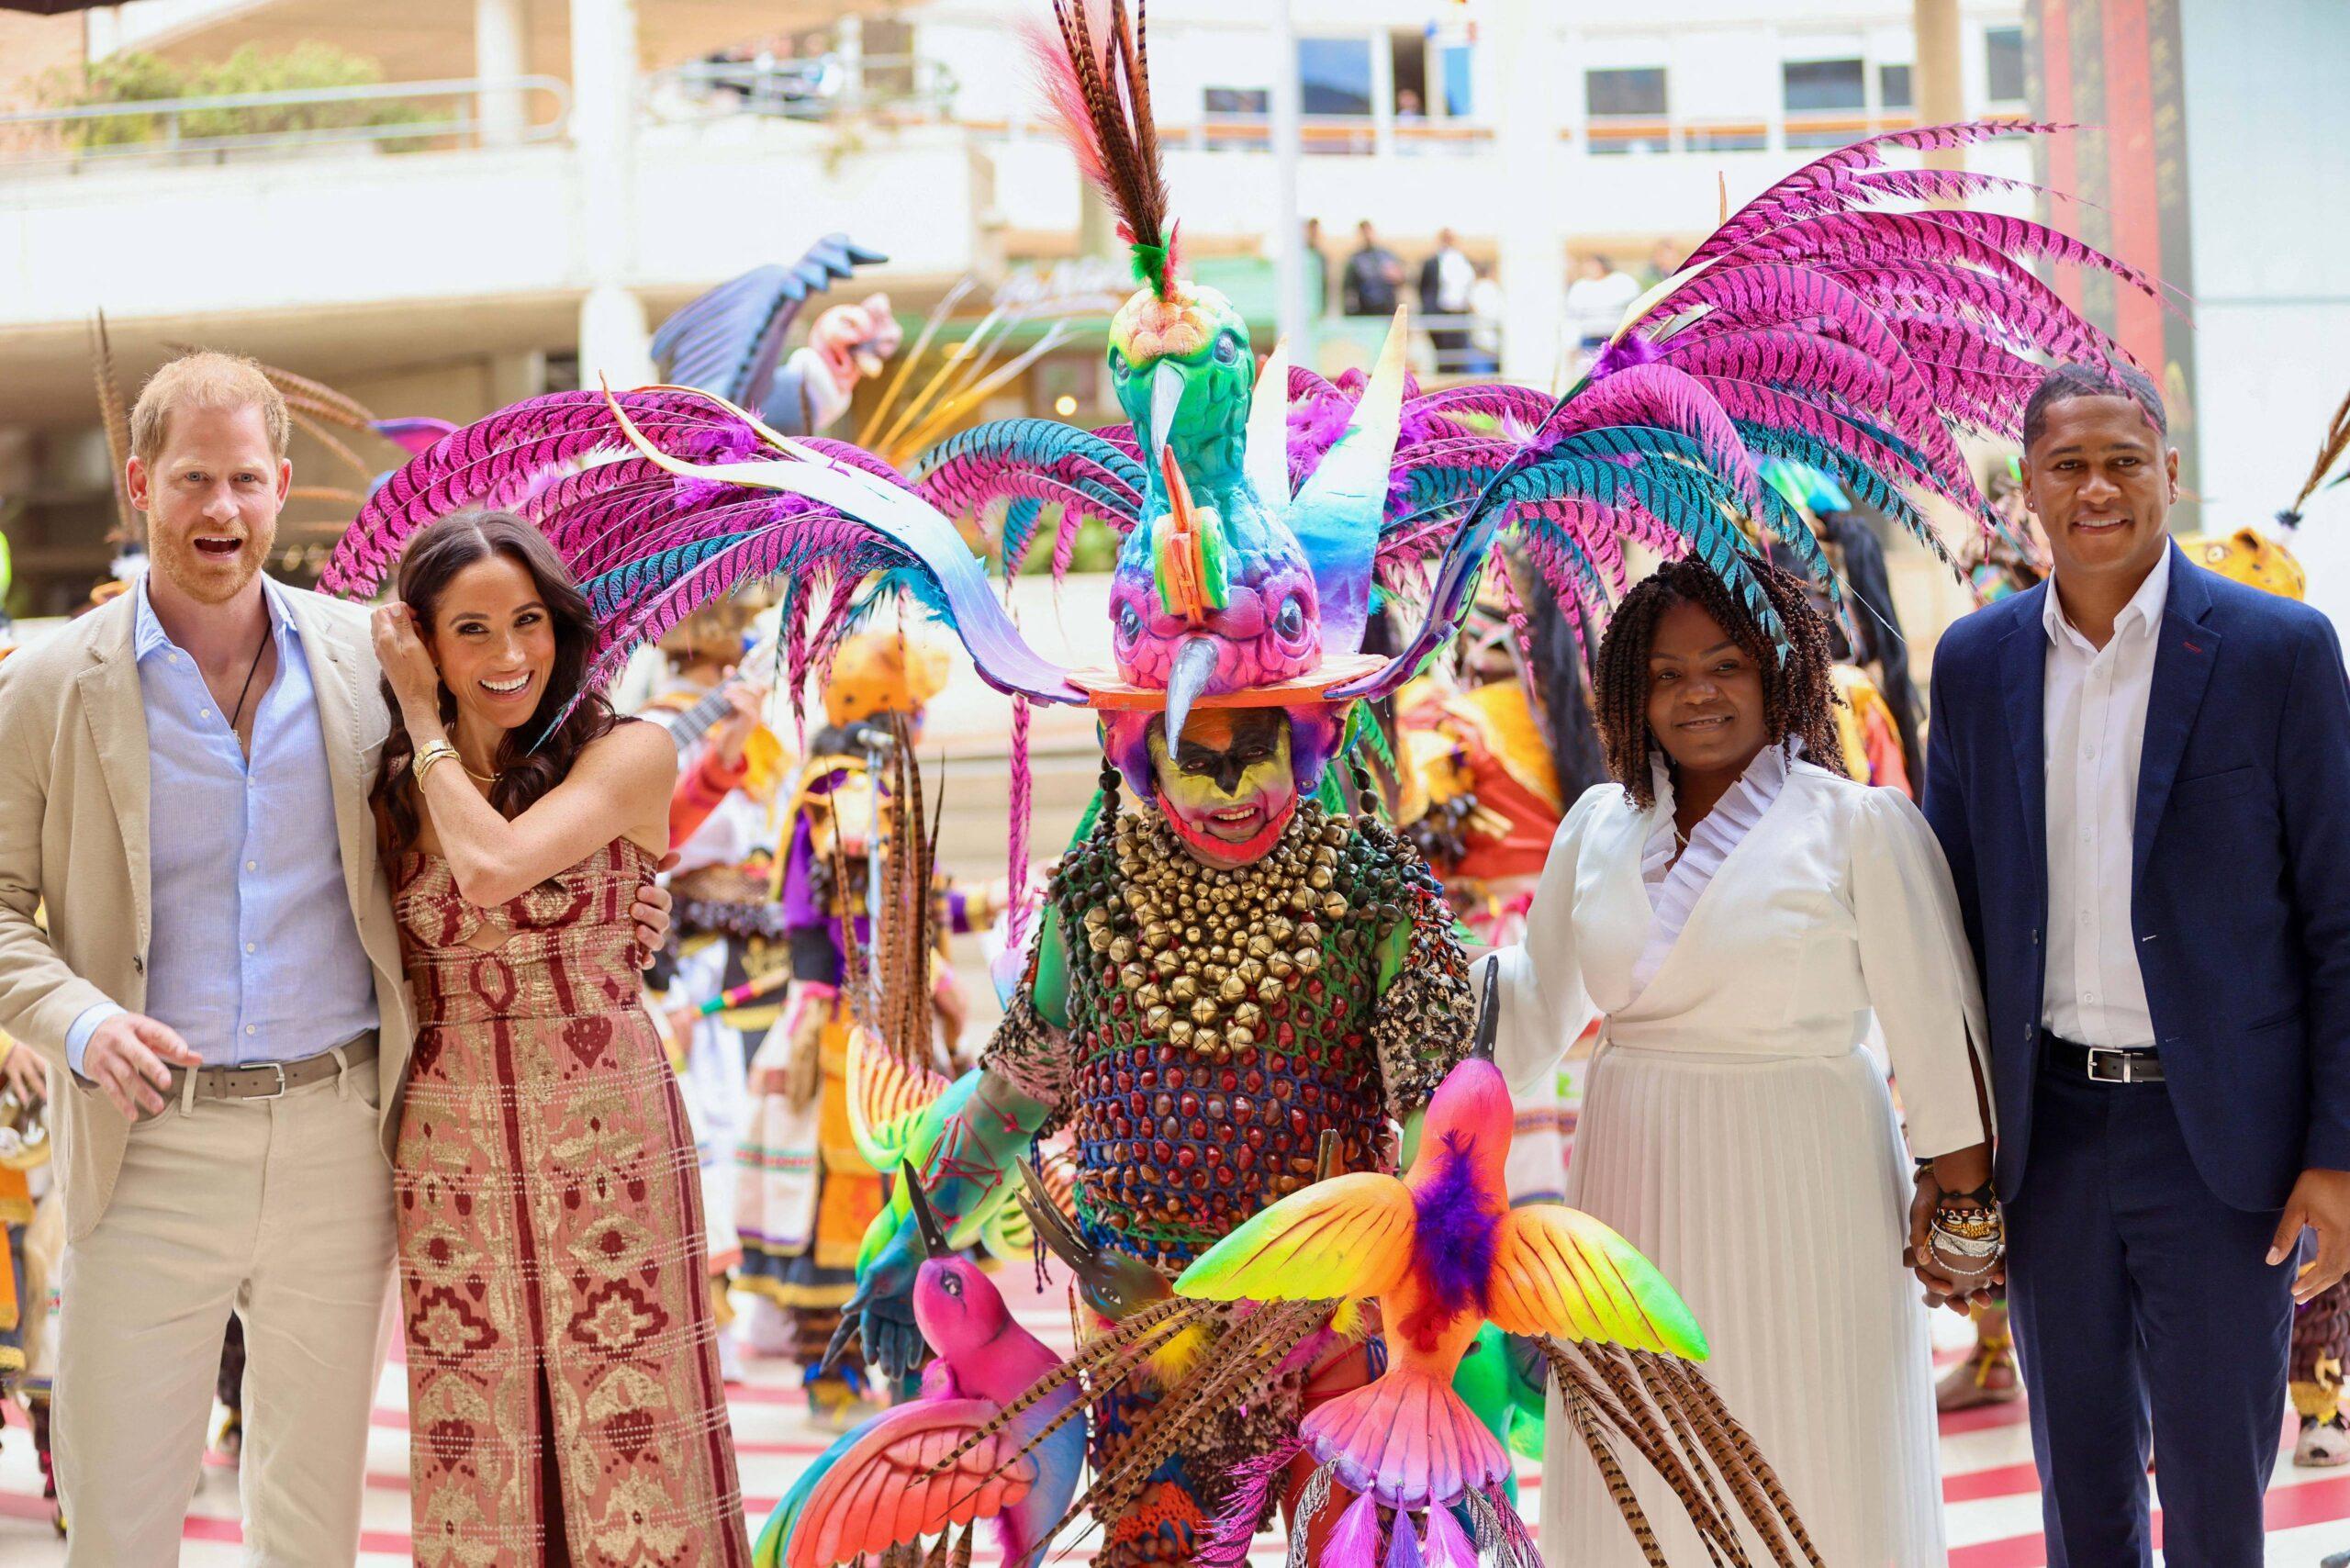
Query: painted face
{"type": "Point", "coordinates": [493, 642]}
{"type": "Point", "coordinates": [2101, 482]}
{"type": "Point", "coordinates": [211, 498]}
{"type": "Point", "coordinates": [1227, 789]}
{"type": "Point", "coordinates": [1704, 693]}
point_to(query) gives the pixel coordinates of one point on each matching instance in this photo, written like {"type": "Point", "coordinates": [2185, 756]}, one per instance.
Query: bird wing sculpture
{"type": "Point", "coordinates": [895, 1113]}
{"type": "Point", "coordinates": [665, 500]}
{"type": "Point", "coordinates": [887, 1098]}
{"type": "Point", "coordinates": [884, 1488]}
{"type": "Point", "coordinates": [730, 340]}
{"type": "Point", "coordinates": [970, 1447]}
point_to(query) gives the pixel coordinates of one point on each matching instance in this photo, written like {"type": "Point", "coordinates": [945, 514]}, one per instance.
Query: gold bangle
{"type": "Point", "coordinates": [434, 751]}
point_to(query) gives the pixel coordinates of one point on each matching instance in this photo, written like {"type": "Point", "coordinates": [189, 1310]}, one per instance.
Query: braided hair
{"type": "Point", "coordinates": [1798, 697]}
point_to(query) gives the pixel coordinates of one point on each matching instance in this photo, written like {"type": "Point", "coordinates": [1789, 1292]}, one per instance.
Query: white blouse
{"type": "Point", "coordinates": [1816, 903]}
{"type": "Point", "coordinates": [1675, 884]}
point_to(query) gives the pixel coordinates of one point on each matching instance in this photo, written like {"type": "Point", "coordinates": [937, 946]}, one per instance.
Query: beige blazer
{"type": "Point", "coordinates": [73, 836]}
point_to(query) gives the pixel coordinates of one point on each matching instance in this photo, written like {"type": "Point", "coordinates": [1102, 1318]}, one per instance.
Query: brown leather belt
{"type": "Point", "coordinates": [272, 1079]}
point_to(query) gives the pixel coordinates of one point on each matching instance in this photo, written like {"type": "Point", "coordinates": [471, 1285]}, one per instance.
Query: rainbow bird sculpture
{"type": "Point", "coordinates": [1443, 1253]}
{"type": "Point", "coordinates": [883, 1485]}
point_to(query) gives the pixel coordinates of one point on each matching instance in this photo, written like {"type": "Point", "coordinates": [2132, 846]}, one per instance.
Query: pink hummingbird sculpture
{"type": "Point", "coordinates": [885, 1484]}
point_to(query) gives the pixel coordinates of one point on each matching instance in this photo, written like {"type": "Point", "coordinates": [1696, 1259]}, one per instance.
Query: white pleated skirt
{"type": "Point", "coordinates": [1773, 1192]}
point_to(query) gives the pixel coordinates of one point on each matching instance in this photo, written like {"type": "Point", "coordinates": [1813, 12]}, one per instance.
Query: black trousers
{"type": "Point", "coordinates": [2144, 1307]}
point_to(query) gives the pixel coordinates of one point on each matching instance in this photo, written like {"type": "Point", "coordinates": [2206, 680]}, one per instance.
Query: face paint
{"type": "Point", "coordinates": [1227, 791]}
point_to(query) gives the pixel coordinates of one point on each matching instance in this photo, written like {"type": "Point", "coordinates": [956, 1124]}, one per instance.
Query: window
{"type": "Point", "coordinates": [1634, 96]}
{"type": "Point", "coordinates": [1459, 100]}
{"type": "Point", "coordinates": [1638, 90]}
{"type": "Point", "coordinates": [1333, 77]}
{"type": "Point", "coordinates": [1238, 101]}
{"type": "Point", "coordinates": [1893, 89]}
{"type": "Point", "coordinates": [2003, 64]}
{"type": "Point", "coordinates": [1816, 84]}
{"type": "Point", "coordinates": [1731, 139]}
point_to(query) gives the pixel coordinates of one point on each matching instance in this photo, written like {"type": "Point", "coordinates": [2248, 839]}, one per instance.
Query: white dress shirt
{"type": "Point", "coordinates": [2095, 732]}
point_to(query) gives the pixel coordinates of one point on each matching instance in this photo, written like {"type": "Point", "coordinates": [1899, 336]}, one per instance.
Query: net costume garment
{"type": "Point", "coordinates": [552, 1249]}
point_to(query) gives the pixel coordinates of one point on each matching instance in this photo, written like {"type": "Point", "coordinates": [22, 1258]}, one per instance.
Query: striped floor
{"type": "Point", "coordinates": [1988, 1481]}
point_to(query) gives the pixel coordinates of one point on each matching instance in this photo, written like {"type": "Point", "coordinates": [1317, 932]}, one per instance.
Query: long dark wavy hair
{"type": "Point", "coordinates": [1799, 695]}
{"type": "Point", "coordinates": [528, 767]}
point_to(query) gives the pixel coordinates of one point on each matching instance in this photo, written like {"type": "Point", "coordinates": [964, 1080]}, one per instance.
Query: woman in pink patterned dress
{"type": "Point", "coordinates": [563, 1396]}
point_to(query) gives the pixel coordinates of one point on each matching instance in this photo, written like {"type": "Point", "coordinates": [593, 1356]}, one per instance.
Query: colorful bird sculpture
{"type": "Point", "coordinates": [1443, 1252]}
{"type": "Point", "coordinates": [883, 1485]}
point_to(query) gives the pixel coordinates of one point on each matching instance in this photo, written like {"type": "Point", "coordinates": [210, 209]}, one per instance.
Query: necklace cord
{"type": "Point", "coordinates": [251, 670]}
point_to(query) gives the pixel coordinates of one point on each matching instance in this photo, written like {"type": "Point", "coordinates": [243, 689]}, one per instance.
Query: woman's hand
{"type": "Point", "coordinates": [1940, 1289]}
{"type": "Point", "coordinates": [1937, 1187]}
{"type": "Point", "coordinates": [407, 666]}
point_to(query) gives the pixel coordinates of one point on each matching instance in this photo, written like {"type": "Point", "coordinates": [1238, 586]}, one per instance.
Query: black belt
{"type": "Point", "coordinates": [2101, 1064]}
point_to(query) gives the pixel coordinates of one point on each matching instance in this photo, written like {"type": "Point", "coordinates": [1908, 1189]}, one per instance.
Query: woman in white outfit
{"type": "Point", "coordinates": [1735, 914]}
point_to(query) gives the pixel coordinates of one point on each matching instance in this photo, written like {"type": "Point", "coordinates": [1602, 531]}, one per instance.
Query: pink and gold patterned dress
{"type": "Point", "coordinates": [564, 1394]}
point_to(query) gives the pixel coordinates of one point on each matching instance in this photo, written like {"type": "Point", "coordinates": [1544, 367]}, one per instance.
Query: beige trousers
{"type": "Point", "coordinates": [282, 1208]}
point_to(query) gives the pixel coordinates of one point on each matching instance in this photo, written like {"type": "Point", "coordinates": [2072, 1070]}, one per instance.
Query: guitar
{"type": "Point", "coordinates": [755, 674]}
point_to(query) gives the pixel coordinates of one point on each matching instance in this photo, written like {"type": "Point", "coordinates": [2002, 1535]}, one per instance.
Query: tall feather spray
{"type": "Point", "coordinates": [1096, 83]}
{"type": "Point", "coordinates": [2329, 452]}
{"type": "Point", "coordinates": [115, 417]}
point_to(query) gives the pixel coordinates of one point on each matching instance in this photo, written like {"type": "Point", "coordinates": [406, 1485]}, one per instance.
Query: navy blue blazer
{"type": "Point", "coordinates": [2240, 896]}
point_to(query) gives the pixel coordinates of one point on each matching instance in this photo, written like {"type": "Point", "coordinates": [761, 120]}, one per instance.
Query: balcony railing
{"type": "Point", "coordinates": [820, 87]}
{"type": "Point", "coordinates": [1361, 135]}
{"type": "Point", "coordinates": [1624, 134]}
{"type": "Point", "coordinates": [394, 116]}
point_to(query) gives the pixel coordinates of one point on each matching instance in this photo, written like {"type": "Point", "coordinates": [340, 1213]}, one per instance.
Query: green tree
{"type": "Point", "coordinates": [145, 78]}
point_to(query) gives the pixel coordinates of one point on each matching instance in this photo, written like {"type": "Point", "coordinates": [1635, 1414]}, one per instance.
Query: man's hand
{"type": "Point", "coordinates": [22, 1074]}
{"type": "Point", "coordinates": [2321, 1201]}
{"type": "Point", "coordinates": [882, 1312]}
{"type": "Point", "coordinates": [651, 915]}
{"type": "Point", "coordinates": [130, 1059]}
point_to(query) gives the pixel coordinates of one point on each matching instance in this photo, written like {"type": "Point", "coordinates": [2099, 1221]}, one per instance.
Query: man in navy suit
{"type": "Point", "coordinates": [2139, 772]}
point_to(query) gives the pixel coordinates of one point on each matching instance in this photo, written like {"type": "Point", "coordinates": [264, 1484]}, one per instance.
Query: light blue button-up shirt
{"type": "Point", "coordinates": [255, 956]}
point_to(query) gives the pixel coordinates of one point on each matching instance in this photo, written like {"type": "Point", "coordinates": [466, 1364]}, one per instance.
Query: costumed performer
{"type": "Point", "coordinates": [1252, 546]}
{"type": "Point", "coordinates": [25, 1182]}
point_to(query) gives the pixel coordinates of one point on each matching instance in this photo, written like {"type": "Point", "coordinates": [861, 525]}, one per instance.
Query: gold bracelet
{"type": "Point", "coordinates": [434, 751]}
